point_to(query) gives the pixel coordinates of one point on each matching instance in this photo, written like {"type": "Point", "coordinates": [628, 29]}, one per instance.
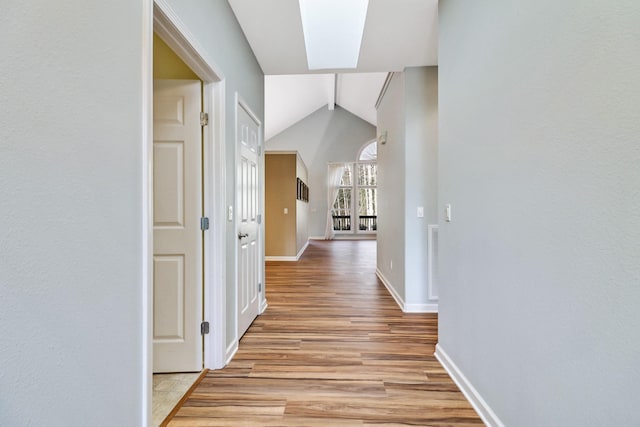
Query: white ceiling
{"type": "Point", "coordinates": [397, 34]}
{"type": "Point", "coordinates": [290, 98]}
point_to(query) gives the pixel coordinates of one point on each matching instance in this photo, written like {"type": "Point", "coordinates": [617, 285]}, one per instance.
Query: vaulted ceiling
{"type": "Point", "coordinates": [397, 34]}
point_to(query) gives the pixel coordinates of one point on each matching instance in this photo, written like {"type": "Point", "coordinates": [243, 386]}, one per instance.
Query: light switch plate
{"type": "Point", "coordinates": [447, 212]}
{"type": "Point", "coordinates": [420, 212]}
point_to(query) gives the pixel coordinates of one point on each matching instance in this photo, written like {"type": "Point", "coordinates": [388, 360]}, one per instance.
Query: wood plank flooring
{"type": "Point", "coordinates": [332, 349]}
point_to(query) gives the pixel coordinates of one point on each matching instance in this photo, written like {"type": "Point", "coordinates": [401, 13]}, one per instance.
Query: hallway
{"type": "Point", "coordinates": [332, 349]}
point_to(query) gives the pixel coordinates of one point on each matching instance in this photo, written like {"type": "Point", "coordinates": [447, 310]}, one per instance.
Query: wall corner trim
{"type": "Point", "coordinates": [385, 86]}
{"type": "Point", "coordinates": [304, 248]}
{"type": "Point", "coordinates": [473, 396]}
{"type": "Point", "coordinates": [396, 296]}
{"type": "Point", "coordinates": [232, 349]}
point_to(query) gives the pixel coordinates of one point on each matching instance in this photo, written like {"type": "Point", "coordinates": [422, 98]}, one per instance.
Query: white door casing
{"type": "Point", "coordinates": [247, 208]}
{"type": "Point", "coordinates": [177, 258]}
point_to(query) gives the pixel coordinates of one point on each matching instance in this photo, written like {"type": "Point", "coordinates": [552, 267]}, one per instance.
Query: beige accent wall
{"type": "Point", "coordinates": [280, 194]}
{"type": "Point", "coordinates": [167, 65]}
{"type": "Point", "coordinates": [285, 234]}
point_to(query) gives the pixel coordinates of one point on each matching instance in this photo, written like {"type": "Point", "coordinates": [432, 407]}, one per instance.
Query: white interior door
{"type": "Point", "coordinates": [177, 238]}
{"type": "Point", "coordinates": [247, 219]}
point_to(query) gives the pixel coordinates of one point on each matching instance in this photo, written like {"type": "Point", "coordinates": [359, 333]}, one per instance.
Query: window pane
{"type": "Point", "coordinates": [367, 199]}
{"type": "Point", "coordinates": [347, 180]}
{"type": "Point", "coordinates": [342, 210]}
{"type": "Point", "coordinates": [367, 174]}
{"type": "Point", "coordinates": [367, 209]}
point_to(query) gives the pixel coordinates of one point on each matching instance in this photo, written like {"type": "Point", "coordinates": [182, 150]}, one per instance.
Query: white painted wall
{"type": "Point", "coordinates": [71, 209]}
{"type": "Point", "coordinates": [214, 25]}
{"type": "Point", "coordinates": [421, 179]}
{"type": "Point", "coordinates": [539, 157]}
{"type": "Point", "coordinates": [391, 186]}
{"type": "Point", "coordinates": [408, 179]}
{"type": "Point", "coordinates": [322, 137]}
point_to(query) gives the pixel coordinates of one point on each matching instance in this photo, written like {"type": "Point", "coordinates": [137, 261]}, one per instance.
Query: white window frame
{"type": "Point", "coordinates": [354, 188]}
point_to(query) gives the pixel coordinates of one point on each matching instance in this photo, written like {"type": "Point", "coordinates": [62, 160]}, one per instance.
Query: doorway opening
{"type": "Point", "coordinates": [168, 28]}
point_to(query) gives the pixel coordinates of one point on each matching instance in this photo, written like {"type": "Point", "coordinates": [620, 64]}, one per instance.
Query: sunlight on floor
{"type": "Point", "coordinates": [168, 389]}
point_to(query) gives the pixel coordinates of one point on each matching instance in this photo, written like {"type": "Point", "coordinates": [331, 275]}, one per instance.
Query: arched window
{"type": "Point", "coordinates": [369, 152]}
{"type": "Point", "coordinates": [356, 194]}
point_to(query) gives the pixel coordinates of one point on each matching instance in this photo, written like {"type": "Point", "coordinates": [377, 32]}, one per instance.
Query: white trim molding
{"type": "Point", "coordinates": [384, 88]}
{"type": "Point", "coordinates": [146, 149]}
{"type": "Point", "coordinates": [473, 396]}
{"type": "Point", "coordinates": [176, 35]}
{"type": "Point", "coordinates": [420, 308]}
{"type": "Point", "coordinates": [232, 349]}
{"type": "Point", "coordinates": [281, 258]}
{"type": "Point", "coordinates": [396, 296]}
{"type": "Point", "coordinates": [406, 308]}
{"type": "Point", "coordinates": [289, 258]}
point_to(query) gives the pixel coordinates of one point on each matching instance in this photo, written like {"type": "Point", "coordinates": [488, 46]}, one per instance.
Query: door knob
{"type": "Point", "coordinates": [240, 235]}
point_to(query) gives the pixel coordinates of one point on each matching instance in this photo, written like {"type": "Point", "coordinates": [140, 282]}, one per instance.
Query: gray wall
{"type": "Point", "coordinates": [71, 209]}
{"type": "Point", "coordinates": [408, 179]}
{"type": "Point", "coordinates": [322, 137]}
{"type": "Point", "coordinates": [421, 172]}
{"type": "Point", "coordinates": [215, 27]}
{"type": "Point", "coordinates": [70, 180]}
{"type": "Point", "coordinates": [539, 157]}
{"type": "Point", "coordinates": [391, 194]}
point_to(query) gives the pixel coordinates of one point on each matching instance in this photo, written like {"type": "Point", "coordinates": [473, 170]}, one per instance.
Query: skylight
{"type": "Point", "coordinates": [333, 32]}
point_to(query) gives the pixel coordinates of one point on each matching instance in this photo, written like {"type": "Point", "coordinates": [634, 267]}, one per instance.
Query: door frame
{"type": "Point", "coordinates": [160, 17]}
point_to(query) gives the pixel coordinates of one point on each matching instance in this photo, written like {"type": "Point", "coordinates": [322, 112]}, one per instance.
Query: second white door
{"type": "Point", "coordinates": [247, 205]}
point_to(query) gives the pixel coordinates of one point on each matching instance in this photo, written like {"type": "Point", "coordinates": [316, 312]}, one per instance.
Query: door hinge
{"type": "Point", "coordinates": [204, 119]}
{"type": "Point", "coordinates": [204, 223]}
{"type": "Point", "coordinates": [204, 328]}
{"type": "Point", "coordinates": [259, 219]}
{"type": "Point", "coordinates": [259, 287]}
{"type": "Point", "coordinates": [259, 150]}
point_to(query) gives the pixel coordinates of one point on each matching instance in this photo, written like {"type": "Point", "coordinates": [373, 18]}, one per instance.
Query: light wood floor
{"type": "Point", "coordinates": [332, 349]}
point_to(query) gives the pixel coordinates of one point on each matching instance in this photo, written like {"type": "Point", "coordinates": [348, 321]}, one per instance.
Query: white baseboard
{"type": "Point", "coordinates": [406, 308]}
{"type": "Point", "coordinates": [355, 237]}
{"type": "Point", "coordinates": [231, 351]}
{"type": "Point", "coordinates": [288, 258]}
{"type": "Point", "coordinates": [391, 290]}
{"type": "Point", "coordinates": [473, 396]}
{"type": "Point", "coordinates": [304, 248]}
{"type": "Point", "coordinates": [347, 237]}
{"type": "Point", "coordinates": [280, 258]}
{"type": "Point", "coordinates": [420, 308]}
